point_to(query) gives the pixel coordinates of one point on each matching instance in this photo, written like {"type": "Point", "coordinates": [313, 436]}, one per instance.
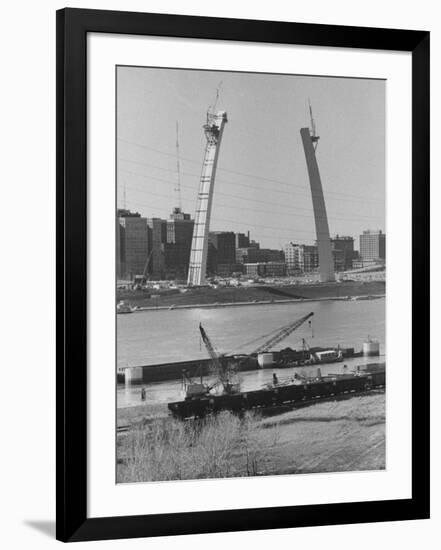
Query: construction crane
{"type": "Point", "coordinates": [314, 136]}
{"type": "Point", "coordinates": [223, 372]}
{"type": "Point", "coordinates": [141, 279]}
{"type": "Point", "coordinates": [146, 266]}
{"type": "Point", "coordinates": [281, 334]}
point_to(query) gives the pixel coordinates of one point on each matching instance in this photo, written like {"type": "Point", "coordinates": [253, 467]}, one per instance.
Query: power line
{"type": "Point", "coordinates": [253, 187]}
{"type": "Point", "coordinates": [253, 176]}
{"type": "Point", "coordinates": [238, 222]}
{"type": "Point", "coordinates": [266, 203]}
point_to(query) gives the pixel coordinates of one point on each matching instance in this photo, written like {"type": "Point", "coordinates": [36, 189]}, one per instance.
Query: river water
{"type": "Point", "coordinates": [152, 337]}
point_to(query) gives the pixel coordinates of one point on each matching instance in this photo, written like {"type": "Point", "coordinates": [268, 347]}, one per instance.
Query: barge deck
{"type": "Point", "coordinates": [291, 393]}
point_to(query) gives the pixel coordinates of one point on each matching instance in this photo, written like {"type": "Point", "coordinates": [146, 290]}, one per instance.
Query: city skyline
{"type": "Point", "coordinates": [273, 201]}
{"type": "Point", "coordinates": [160, 247]}
{"type": "Point", "coordinates": [252, 237]}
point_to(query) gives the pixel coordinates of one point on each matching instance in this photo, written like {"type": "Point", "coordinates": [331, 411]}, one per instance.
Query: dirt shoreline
{"type": "Point", "coordinates": [255, 295]}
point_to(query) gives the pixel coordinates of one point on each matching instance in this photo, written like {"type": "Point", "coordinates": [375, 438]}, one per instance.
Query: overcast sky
{"type": "Point", "coordinates": [262, 182]}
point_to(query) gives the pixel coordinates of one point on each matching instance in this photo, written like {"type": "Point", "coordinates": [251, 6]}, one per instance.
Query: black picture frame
{"type": "Point", "coordinates": [71, 427]}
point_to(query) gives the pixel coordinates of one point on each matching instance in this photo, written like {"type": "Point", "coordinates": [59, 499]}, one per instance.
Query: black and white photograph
{"type": "Point", "coordinates": [250, 246]}
{"type": "Point", "coordinates": [217, 248]}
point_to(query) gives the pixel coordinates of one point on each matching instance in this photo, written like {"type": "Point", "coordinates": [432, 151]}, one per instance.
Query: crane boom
{"type": "Point", "coordinates": [314, 136]}
{"type": "Point", "coordinates": [282, 334]}
{"type": "Point", "coordinates": [144, 273]}
{"type": "Point", "coordinates": [223, 372]}
{"type": "Point", "coordinates": [211, 351]}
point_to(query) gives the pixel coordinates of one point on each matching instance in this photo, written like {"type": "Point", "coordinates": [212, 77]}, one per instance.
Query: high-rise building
{"type": "Point", "coordinates": [242, 240]}
{"type": "Point", "coordinates": [157, 232]}
{"type": "Point", "coordinates": [343, 251]}
{"type": "Point", "coordinates": [372, 245]}
{"type": "Point", "coordinates": [311, 258]}
{"type": "Point", "coordinates": [339, 259]}
{"type": "Point", "coordinates": [221, 250]}
{"type": "Point", "coordinates": [118, 248]}
{"type": "Point", "coordinates": [178, 244]}
{"type": "Point", "coordinates": [301, 258]}
{"type": "Point", "coordinates": [293, 257]}
{"type": "Point", "coordinates": [132, 246]}
{"type": "Point", "coordinates": [247, 255]}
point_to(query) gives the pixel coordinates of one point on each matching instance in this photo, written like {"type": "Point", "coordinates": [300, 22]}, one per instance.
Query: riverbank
{"type": "Point", "coordinates": [258, 303]}
{"type": "Point", "coordinates": [330, 436]}
{"type": "Point", "coordinates": [207, 297]}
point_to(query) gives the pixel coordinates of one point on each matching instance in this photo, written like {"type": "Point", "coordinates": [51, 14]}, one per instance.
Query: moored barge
{"type": "Point", "coordinates": [295, 392]}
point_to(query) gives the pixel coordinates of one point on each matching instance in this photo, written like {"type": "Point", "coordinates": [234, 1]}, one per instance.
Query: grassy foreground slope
{"type": "Point", "coordinates": [332, 436]}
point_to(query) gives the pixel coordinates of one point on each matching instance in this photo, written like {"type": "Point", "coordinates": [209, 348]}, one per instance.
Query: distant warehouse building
{"type": "Point", "coordinates": [254, 254]}
{"type": "Point", "coordinates": [265, 269]}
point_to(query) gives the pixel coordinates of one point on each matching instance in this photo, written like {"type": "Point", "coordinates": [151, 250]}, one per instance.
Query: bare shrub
{"type": "Point", "coordinates": [221, 445]}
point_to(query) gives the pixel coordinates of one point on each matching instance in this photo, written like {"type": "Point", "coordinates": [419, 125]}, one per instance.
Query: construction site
{"type": "Point", "coordinates": [267, 395]}
{"type": "Point", "coordinates": [249, 408]}
{"type": "Point", "coordinates": [231, 266]}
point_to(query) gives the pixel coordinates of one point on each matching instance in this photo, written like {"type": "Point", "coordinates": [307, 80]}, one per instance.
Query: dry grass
{"type": "Point", "coordinates": [332, 436]}
{"type": "Point", "coordinates": [217, 446]}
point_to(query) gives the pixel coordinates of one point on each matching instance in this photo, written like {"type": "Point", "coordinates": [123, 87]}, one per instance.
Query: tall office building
{"type": "Point", "coordinates": [157, 232]}
{"type": "Point", "coordinates": [221, 250]}
{"type": "Point", "coordinates": [293, 257]}
{"type": "Point", "coordinates": [242, 240]}
{"type": "Point", "coordinates": [178, 246]}
{"type": "Point", "coordinates": [301, 258]}
{"type": "Point", "coordinates": [249, 254]}
{"type": "Point", "coordinates": [311, 258]}
{"type": "Point", "coordinates": [343, 251]}
{"type": "Point", "coordinates": [132, 244]}
{"type": "Point", "coordinates": [372, 245]}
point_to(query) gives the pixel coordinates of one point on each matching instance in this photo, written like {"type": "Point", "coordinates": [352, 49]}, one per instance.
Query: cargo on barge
{"type": "Point", "coordinates": [295, 392]}
{"type": "Point", "coordinates": [286, 358]}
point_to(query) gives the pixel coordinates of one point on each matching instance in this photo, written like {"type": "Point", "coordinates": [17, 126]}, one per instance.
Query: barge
{"type": "Point", "coordinates": [295, 392]}
{"type": "Point", "coordinates": [286, 358]}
